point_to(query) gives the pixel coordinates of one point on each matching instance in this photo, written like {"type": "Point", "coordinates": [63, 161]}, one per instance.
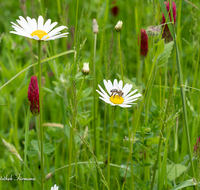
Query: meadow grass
{"type": "Point", "coordinates": [81, 142]}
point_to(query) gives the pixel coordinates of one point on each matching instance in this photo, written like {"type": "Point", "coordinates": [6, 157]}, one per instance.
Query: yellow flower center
{"type": "Point", "coordinates": [40, 34]}
{"type": "Point", "coordinates": [116, 99]}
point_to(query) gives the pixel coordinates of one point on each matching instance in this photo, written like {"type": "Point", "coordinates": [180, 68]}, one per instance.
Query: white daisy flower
{"type": "Point", "coordinates": [55, 187]}
{"type": "Point", "coordinates": [38, 30]}
{"type": "Point", "coordinates": [118, 95]}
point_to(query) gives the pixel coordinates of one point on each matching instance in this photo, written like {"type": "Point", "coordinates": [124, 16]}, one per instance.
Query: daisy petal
{"type": "Point", "coordinates": [127, 89]}
{"type": "Point", "coordinates": [20, 30]}
{"type": "Point", "coordinates": [56, 30]}
{"type": "Point", "coordinates": [47, 25]}
{"type": "Point", "coordinates": [130, 101]}
{"type": "Point", "coordinates": [108, 86]}
{"type": "Point", "coordinates": [35, 37]}
{"type": "Point", "coordinates": [101, 94]}
{"type": "Point", "coordinates": [20, 34]}
{"type": "Point", "coordinates": [44, 37]}
{"type": "Point", "coordinates": [115, 84]}
{"type": "Point", "coordinates": [102, 90]}
{"type": "Point", "coordinates": [40, 22]}
{"type": "Point", "coordinates": [124, 105]}
{"type": "Point", "coordinates": [107, 101]}
{"type": "Point", "coordinates": [23, 23]}
{"type": "Point", "coordinates": [58, 36]}
{"type": "Point", "coordinates": [31, 23]}
{"type": "Point", "coordinates": [120, 84]}
{"type": "Point", "coordinates": [133, 92]}
{"type": "Point", "coordinates": [135, 96]}
{"type": "Point", "coordinates": [51, 26]}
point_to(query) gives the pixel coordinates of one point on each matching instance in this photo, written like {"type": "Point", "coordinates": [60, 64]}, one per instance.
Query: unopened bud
{"type": "Point", "coordinates": [153, 30]}
{"type": "Point", "coordinates": [118, 26]}
{"type": "Point", "coordinates": [95, 26]}
{"type": "Point", "coordinates": [49, 176]}
{"type": "Point", "coordinates": [85, 69]}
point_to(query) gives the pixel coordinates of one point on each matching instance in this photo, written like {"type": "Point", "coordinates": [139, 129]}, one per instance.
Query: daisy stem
{"type": "Point", "coordinates": [40, 115]}
{"type": "Point", "coordinates": [109, 142]}
{"type": "Point", "coordinates": [120, 56]}
{"type": "Point", "coordinates": [94, 105]}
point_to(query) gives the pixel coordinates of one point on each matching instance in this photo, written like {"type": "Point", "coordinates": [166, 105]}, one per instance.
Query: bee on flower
{"type": "Point", "coordinates": [117, 95]}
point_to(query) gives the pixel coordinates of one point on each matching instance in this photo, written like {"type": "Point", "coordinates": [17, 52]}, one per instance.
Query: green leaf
{"type": "Point", "coordinates": [33, 148]}
{"type": "Point", "coordinates": [187, 183]}
{"type": "Point", "coordinates": [174, 171]}
{"type": "Point", "coordinates": [160, 46]}
{"type": "Point", "coordinates": [153, 140]}
{"type": "Point", "coordinates": [164, 56]}
{"type": "Point", "coordinates": [47, 90]}
{"type": "Point", "coordinates": [86, 92]}
{"type": "Point", "coordinates": [48, 148]}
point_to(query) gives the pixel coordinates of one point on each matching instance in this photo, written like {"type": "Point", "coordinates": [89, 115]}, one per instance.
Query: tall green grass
{"type": "Point", "coordinates": [148, 146]}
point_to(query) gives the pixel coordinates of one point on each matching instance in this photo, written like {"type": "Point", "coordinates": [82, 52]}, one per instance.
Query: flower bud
{"type": "Point", "coordinates": [153, 30]}
{"type": "Point", "coordinates": [85, 69]}
{"type": "Point", "coordinates": [33, 96]}
{"type": "Point", "coordinates": [48, 176]}
{"type": "Point", "coordinates": [118, 26]}
{"type": "Point", "coordinates": [95, 26]}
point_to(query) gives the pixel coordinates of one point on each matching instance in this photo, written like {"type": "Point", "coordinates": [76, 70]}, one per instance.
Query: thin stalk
{"type": "Point", "coordinates": [120, 56]}
{"type": "Point", "coordinates": [81, 87]}
{"type": "Point", "coordinates": [70, 155]}
{"type": "Point", "coordinates": [94, 105]}
{"type": "Point", "coordinates": [66, 128]}
{"type": "Point", "coordinates": [40, 115]}
{"type": "Point", "coordinates": [104, 137]}
{"type": "Point", "coordinates": [26, 145]}
{"type": "Point", "coordinates": [74, 69]}
{"type": "Point", "coordinates": [184, 106]}
{"type": "Point", "coordinates": [109, 143]}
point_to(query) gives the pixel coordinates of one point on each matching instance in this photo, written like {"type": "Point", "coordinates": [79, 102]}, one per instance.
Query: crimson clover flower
{"type": "Point", "coordinates": [33, 96]}
{"type": "Point", "coordinates": [114, 9]}
{"type": "Point", "coordinates": [166, 33]}
{"type": "Point", "coordinates": [143, 43]}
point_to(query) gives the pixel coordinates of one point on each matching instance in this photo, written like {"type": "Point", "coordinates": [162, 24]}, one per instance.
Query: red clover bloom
{"type": "Point", "coordinates": [143, 43]}
{"type": "Point", "coordinates": [33, 96]}
{"type": "Point", "coordinates": [115, 9]}
{"type": "Point", "coordinates": [166, 33]}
